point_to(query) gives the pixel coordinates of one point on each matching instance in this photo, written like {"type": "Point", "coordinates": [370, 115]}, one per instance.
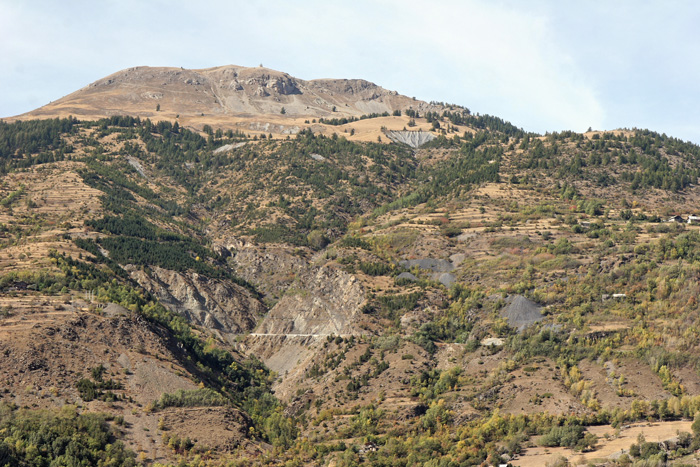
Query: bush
{"type": "Point", "coordinates": [59, 437]}
{"type": "Point", "coordinates": [375, 269]}
{"type": "Point", "coordinates": [571, 436]}
{"type": "Point", "coordinates": [87, 390]}
{"type": "Point", "coordinates": [317, 240]}
{"type": "Point", "coordinates": [203, 397]}
{"type": "Point", "coordinates": [451, 231]}
{"type": "Point", "coordinates": [280, 429]}
{"type": "Point", "coordinates": [355, 242]}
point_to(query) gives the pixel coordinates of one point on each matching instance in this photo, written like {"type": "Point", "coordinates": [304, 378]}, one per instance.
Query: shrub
{"type": "Point", "coordinates": [571, 436]}
{"type": "Point", "coordinates": [203, 397]}
{"type": "Point", "coordinates": [375, 268]}
{"type": "Point", "coordinates": [355, 242]}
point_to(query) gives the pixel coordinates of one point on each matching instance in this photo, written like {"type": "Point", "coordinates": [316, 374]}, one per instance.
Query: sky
{"type": "Point", "coordinates": [543, 65]}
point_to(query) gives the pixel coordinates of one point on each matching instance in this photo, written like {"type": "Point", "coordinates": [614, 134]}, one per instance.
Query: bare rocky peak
{"type": "Point", "coordinates": [227, 91]}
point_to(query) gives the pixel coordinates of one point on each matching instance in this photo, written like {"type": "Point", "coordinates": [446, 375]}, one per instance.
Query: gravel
{"type": "Point", "coordinates": [521, 312]}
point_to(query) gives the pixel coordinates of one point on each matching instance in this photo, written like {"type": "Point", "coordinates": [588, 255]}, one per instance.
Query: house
{"type": "Point", "coordinates": [615, 296]}
{"type": "Point", "coordinates": [693, 219]}
{"type": "Point", "coordinates": [676, 218]}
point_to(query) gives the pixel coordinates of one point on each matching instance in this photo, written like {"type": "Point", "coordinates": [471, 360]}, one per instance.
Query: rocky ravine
{"type": "Point", "coordinates": [328, 302]}
{"type": "Point", "coordinates": [414, 139]}
{"type": "Point", "coordinates": [315, 301]}
{"type": "Point", "coordinates": [314, 298]}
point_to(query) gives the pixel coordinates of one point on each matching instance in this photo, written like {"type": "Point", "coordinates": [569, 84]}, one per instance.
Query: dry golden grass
{"type": "Point", "coordinates": [55, 203]}
{"type": "Point", "coordinates": [653, 432]}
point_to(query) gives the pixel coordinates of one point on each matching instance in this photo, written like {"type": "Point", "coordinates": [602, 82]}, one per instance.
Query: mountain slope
{"type": "Point", "coordinates": [458, 302]}
{"type": "Point", "coordinates": [223, 96]}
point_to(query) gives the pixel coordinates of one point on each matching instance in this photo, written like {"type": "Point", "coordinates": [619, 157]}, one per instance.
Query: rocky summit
{"type": "Point", "coordinates": [227, 91]}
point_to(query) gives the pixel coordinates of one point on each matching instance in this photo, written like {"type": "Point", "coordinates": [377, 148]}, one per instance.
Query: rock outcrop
{"type": "Point", "coordinates": [414, 139]}
{"type": "Point", "coordinates": [323, 301]}
{"type": "Point", "coordinates": [221, 306]}
{"type": "Point", "coordinates": [312, 299]}
{"type": "Point", "coordinates": [327, 302]}
{"type": "Point", "coordinates": [313, 302]}
{"type": "Point", "coordinates": [271, 268]}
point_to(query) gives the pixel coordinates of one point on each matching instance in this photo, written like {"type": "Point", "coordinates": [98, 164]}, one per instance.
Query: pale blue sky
{"type": "Point", "coordinates": [543, 65]}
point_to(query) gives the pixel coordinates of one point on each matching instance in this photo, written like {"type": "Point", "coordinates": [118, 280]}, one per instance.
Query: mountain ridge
{"type": "Point", "coordinates": [222, 91]}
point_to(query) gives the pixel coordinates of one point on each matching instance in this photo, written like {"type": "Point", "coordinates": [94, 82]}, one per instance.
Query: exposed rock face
{"type": "Point", "coordinates": [314, 302]}
{"type": "Point", "coordinates": [414, 139]}
{"type": "Point", "coordinates": [327, 301]}
{"type": "Point", "coordinates": [272, 128]}
{"type": "Point", "coordinates": [284, 85]}
{"type": "Point", "coordinates": [327, 304]}
{"type": "Point", "coordinates": [226, 308]}
{"type": "Point", "coordinates": [407, 276]}
{"type": "Point", "coordinates": [271, 268]}
{"type": "Point", "coordinates": [446, 279]}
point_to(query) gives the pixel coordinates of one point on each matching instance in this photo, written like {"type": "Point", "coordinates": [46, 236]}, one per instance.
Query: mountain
{"type": "Point", "coordinates": [470, 294]}
{"type": "Point", "coordinates": [227, 97]}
